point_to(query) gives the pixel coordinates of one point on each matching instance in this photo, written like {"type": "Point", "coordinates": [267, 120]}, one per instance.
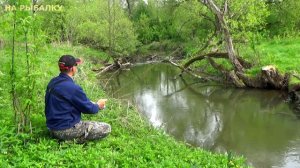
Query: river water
{"type": "Point", "coordinates": [257, 124]}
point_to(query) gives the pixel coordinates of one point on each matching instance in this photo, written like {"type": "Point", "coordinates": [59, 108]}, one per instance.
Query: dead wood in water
{"type": "Point", "coordinates": [269, 78]}
{"type": "Point", "coordinates": [117, 65]}
{"type": "Point", "coordinates": [110, 67]}
{"type": "Point", "coordinates": [184, 69]}
{"type": "Point", "coordinates": [231, 75]}
{"type": "Point", "coordinates": [272, 79]}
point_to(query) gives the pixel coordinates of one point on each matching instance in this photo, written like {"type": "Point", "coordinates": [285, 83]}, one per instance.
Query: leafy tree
{"type": "Point", "coordinates": [234, 20]}
{"type": "Point", "coordinates": [195, 25]}
{"type": "Point", "coordinates": [154, 20]}
{"type": "Point", "coordinates": [190, 22]}
{"type": "Point", "coordinates": [284, 17]}
{"type": "Point", "coordinates": [102, 24]}
{"type": "Point", "coordinates": [243, 19]}
{"type": "Point", "coordinates": [130, 4]}
{"type": "Point", "coordinates": [54, 22]}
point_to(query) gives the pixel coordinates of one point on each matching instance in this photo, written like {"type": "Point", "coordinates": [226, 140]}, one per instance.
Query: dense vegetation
{"type": "Point", "coordinates": [32, 39]}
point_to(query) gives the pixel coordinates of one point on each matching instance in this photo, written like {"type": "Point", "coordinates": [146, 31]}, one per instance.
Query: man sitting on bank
{"type": "Point", "coordinates": [64, 103]}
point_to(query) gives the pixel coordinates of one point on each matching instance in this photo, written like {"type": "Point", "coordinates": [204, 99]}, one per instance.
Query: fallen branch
{"type": "Point", "coordinates": [116, 66]}
{"type": "Point", "coordinates": [219, 67]}
{"type": "Point", "coordinates": [108, 68]}
{"type": "Point", "coordinates": [201, 57]}
{"type": "Point", "coordinates": [216, 55]}
{"type": "Point", "coordinates": [229, 75]}
{"type": "Point", "coordinates": [185, 70]}
{"type": "Point", "coordinates": [296, 76]}
{"type": "Point", "coordinates": [125, 65]}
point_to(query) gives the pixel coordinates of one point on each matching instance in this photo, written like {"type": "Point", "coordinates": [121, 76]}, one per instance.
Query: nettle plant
{"type": "Point", "coordinates": [27, 40]}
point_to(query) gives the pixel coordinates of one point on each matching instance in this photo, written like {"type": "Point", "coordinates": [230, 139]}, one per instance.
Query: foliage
{"type": "Point", "coordinates": [246, 18]}
{"type": "Point", "coordinates": [154, 20]}
{"type": "Point", "coordinates": [193, 25]}
{"type": "Point", "coordinates": [103, 25]}
{"type": "Point", "coordinates": [132, 143]}
{"type": "Point", "coordinates": [279, 52]}
{"type": "Point", "coordinates": [54, 22]}
{"type": "Point", "coordinates": [190, 21]}
{"type": "Point", "coordinates": [25, 41]}
{"type": "Point", "coordinates": [284, 17]}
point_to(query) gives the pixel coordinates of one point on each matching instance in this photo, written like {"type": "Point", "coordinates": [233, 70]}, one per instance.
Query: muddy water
{"type": "Point", "coordinates": [257, 124]}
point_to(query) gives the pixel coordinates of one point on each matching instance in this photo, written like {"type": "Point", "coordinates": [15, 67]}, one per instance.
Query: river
{"type": "Point", "coordinates": [257, 124]}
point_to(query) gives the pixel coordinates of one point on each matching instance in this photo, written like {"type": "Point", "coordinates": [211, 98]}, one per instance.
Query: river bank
{"type": "Point", "coordinates": [213, 116]}
{"type": "Point", "coordinates": [279, 53]}
{"type": "Point", "coordinates": [269, 63]}
{"type": "Point", "coordinates": [132, 143]}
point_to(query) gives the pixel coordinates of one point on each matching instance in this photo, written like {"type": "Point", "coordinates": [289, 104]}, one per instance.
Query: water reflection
{"type": "Point", "coordinates": [149, 105]}
{"type": "Point", "coordinates": [255, 123]}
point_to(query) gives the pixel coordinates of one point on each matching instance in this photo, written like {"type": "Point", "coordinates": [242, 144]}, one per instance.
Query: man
{"type": "Point", "coordinates": [64, 103]}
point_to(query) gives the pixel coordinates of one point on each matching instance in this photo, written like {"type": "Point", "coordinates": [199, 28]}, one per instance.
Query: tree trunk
{"type": "Point", "coordinates": [128, 7]}
{"type": "Point", "coordinates": [269, 78]}
{"type": "Point", "coordinates": [13, 75]}
{"type": "Point", "coordinates": [231, 51]}
{"type": "Point", "coordinates": [109, 27]}
{"type": "Point", "coordinates": [227, 36]}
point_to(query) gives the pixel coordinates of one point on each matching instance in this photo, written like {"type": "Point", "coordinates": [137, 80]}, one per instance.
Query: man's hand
{"type": "Point", "coordinates": [101, 103]}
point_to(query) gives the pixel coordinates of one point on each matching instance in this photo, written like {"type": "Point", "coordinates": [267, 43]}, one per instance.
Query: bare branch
{"type": "Point", "coordinates": [214, 7]}
{"type": "Point", "coordinates": [219, 67]}
{"type": "Point", "coordinates": [216, 55]}
{"type": "Point", "coordinates": [185, 70]}
{"type": "Point", "coordinates": [225, 8]}
{"type": "Point", "coordinates": [200, 57]}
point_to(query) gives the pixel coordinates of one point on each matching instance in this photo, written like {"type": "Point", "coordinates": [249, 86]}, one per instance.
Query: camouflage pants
{"type": "Point", "coordinates": [84, 131]}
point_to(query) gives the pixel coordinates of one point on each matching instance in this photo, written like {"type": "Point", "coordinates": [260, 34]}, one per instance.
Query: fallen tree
{"type": "Point", "coordinates": [268, 78]}
{"type": "Point", "coordinates": [224, 15]}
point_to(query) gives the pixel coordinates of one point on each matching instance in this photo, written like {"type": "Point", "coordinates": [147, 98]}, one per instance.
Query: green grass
{"type": "Point", "coordinates": [132, 143]}
{"type": "Point", "coordinates": [284, 54]}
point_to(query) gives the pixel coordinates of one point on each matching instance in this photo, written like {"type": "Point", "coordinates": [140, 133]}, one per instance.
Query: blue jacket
{"type": "Point", "coordinates": [64, 103]}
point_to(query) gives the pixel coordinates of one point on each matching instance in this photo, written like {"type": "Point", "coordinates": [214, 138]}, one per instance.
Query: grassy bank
{"type": "Point", "coordinates": [132, 143]}
{"type": "Point", "coordinates": [282, 53]}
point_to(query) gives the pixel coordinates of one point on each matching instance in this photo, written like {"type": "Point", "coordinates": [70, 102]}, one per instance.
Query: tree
{"type": "Point", "coordinates": [195, 27]}
{"type": "Point", "coordinates": [54, 23]}
{"type": "Point", "coordinates": [102, 24]}
{"type": "Point", "coordinates": [23, 38]}
{"type": "Point", "coordinates": [130, 4]}
{"type": "Point", "coordinates": [284, 17]}
{"type": "Point", "coordinates": [154, 20]}
{"type": "Point", "coordinates": [234, 18]}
